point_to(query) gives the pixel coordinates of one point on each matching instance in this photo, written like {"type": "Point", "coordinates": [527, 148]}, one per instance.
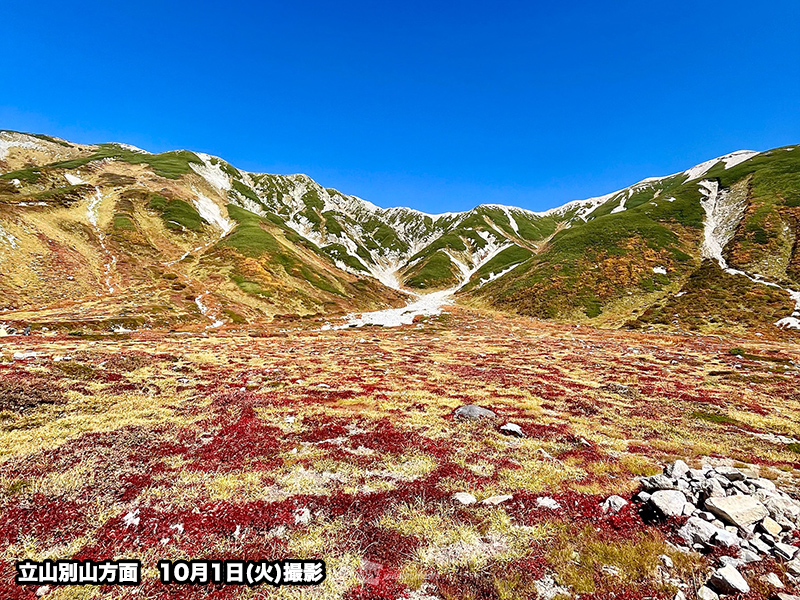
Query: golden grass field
{"type": "Point", "coordinates": [232, 435]}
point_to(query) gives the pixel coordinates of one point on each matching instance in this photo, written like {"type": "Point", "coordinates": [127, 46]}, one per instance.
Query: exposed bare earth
{"type": "Point", "coordinates": [232, 435]}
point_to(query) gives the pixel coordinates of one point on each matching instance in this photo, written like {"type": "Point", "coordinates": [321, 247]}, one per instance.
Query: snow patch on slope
{"type": "Point", "coordinates": [9, 140]}
{"type": "Point", "coordinates": [73, 179]}
{"type": "Point", "coordinates": [209, 210]}
{"type": "Point", "coordinates": [212, 172]}
{"type": "Point", "coordinates": [427, 305]}
{"type": "Point", "coordinates": [730, 160]}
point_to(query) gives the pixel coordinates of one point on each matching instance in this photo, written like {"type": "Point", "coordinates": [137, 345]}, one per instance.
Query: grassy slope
{"type": "Point", "coordinates": [593, 265]}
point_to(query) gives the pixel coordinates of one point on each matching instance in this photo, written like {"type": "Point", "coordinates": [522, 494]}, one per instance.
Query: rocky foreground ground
{"type": "Point", "coordinates": [612, 465]}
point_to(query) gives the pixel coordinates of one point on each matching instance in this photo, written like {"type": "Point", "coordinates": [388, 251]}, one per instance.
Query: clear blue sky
{"type": "Point", "coordinates": [435, 105]}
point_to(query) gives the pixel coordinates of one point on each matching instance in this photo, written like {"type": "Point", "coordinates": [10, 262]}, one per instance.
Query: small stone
{"type": "Point", "coordinates": [760, 545]}
{"type": "Point", "coordinates": [42, 590]}
{"type": "Point", "coordinates": [706, 593]}
{"type": "Point", "coordinates": [657, 482]}
{"type": "Point", "coordinates": [772, 580]}
{"type": "Point", "coordinates": [740, 511]}
{"type": "Point", "coordinates": [729, 561]}
{"type": "Point", "coordinates": [643, 497]}
{"type": "Point", "coordinates": [712, 488]}
{"type": "Point", "coordinates": [793, 567]}
{"type": "Point", "coordinates": [784, 551]}
{"type": "Point", "coordinates": [495, 500]}
{"type": "Point", "coordinates": [512, 429]}
{"type": "Point", "coordinates": [614, 504]}
{"type": "Point", "coordinates": [697, 531]}
{"type": "Point", "coordinates": [748, 556]}
{"type": "Point", "coordinates": [547, 502]}
{"type": "Point", "coordinates": [677, 470]}
{"type": "Point", "coordinates": [464, 498]}
{"type": "Point", "coordinates": [679, 596]}
{"type": "Point", "coordinates": [473, 411]}
{"type": "Point", "coordinates": [731, 473]}
{"type": "Point", "coordinates": [697, 474]}
{"type": "Point", "coordinates": [689, 509]}
{"type": "Point", "coordinates": [770, 526]}
{"type": "Point", "coordinates": [669, 503]}
{"type": "Point", "coordinates": [729, 581]}
{"type": "Point", "coordinates": [762, 483]}
{"type": "Point", "coordinates": [666, 561]}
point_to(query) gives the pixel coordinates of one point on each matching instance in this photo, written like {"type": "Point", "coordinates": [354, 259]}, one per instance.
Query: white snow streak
{"type": "Point", "coordinates": [212, 172]}
{"type": "Point", "coordinates": [209, 210]}
{"type": "Point", "coordinates": [719, 227]}
{"type": "Point", "coordinates": [427, 305]}
{"type": "Point", "coordinates": [9, 140]}
{"type": "Point", "coordinates": [8, 238]}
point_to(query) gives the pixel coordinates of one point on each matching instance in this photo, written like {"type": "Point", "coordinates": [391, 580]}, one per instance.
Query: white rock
{"type": "Point", "coordinates": [748, 556]}
{"type": "Point", "coordinates": [740, 511]}
{"type": "Point", "coordinates": [666, 561]}
{"type": "Point", "coordinates": [729, 581]}
{"type": "Point", "coordinates": [42, 590]}
{"type": "Point", "coordinates": [547, 502]}
{"type": "Point", "coordinates": [706, 593]}
{"type": "Point", "coordinates": [772, 580]}
{"type": "Point", "coordinates": [495, 500]}
{"type": "Point", "coordinates": [731, 473]}
{"type": "Point", "coordinates": [770, 526]}
{"type": "Point", "coordinates": [513, 428]}
{"type": "Point", "coordinates": [677, 470]}
{"type": "Point", "coordinates": [464, 498]}
{"type": "Point", "coordinates": [614, 504]}
{"type": "Point", "coordinates": [668, 502]}
{"type": "Point", "coordinates": [793, 567]}
{"type": "Point", "coordinates": [784, 551]}
{"type": "Point", "coordinates": [473, 411]}
{"type": "Point", "coordinates": [697, 531]}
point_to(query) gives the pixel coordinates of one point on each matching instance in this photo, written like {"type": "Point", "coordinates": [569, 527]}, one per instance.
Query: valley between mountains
{"type": "Point", "coordinates": [599, 401]}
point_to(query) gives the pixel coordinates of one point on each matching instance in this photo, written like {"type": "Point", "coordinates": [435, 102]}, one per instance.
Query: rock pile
{"type": "Point", "coordinates": [727, 507]}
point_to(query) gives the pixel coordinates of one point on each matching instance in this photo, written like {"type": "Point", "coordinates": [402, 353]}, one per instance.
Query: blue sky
{"type": "Point", "coordinates": [435, 105]}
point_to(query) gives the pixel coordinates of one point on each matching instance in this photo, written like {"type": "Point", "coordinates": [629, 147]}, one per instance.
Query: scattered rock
{"type": "Point", "coordinates": [740, 511]}
{"type": "Point", "coordinates": [669, 503]}
{"type": "Point", "coordinates": [42, 590]}
{"type": "Point", "coordinates": [666, 561]}
{"type": "Point", "coordinates": [614, 504]}
{"type": "Point", "coordinates": [495, 500]}
{"type": "Point", "coordinates": [677, 469]}
{"type": "Point", "coordinates": [706, 593]}
{"type": "Point", "coordinates": [770, 526]}
{"type": "Point", "coordinates": [464, 498]}
{"type": "Point", "coordinates": [729, 581]}
{"type": "Point", "coordinates": [772, 580]}
{"type": "Point", "coordinates": [731, 473]}
{"type": "Point", "coordinates": [547, 502]}
{"type": "Point", "coordinates": [697, 531]}
{"type": "Point", "coordinates": [513, 429]}
{"type": "Point", "coordinates": [793, 567]}
{"type": "Point", "coordinates": [473, 411]}
{"type": "Point", "coordinates": [784, 551]}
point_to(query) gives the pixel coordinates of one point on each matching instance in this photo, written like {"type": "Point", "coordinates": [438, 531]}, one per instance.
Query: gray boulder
{"type": "Point", "coordinates": [740, 511]}
{"type": "Point", "coordinates": [731, 473]}
{"type": "Point", "coordinates": [698, 531]}
{"type": "Point", "coordinates": [473, 411]}
{"type": "Point", "coordinates": [614, 504]}
{"type": "Point", "coordinates": [729, 581]}
{"type": "Point", "coordinates": [676, 470]}
{"type": "Point", "coordinates": [657, 482]}
{"type": "Point", "coordinates": [669, 503]}
{"type": "Point", "coordinates": [784, 551]}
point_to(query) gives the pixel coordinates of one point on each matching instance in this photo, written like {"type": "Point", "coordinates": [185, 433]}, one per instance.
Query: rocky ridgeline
{"type": "Point", "coordinates": [731, 508]}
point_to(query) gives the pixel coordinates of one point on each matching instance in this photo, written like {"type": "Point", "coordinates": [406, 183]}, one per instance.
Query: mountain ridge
{"type": "Point", "coordinates": [285, 241]}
